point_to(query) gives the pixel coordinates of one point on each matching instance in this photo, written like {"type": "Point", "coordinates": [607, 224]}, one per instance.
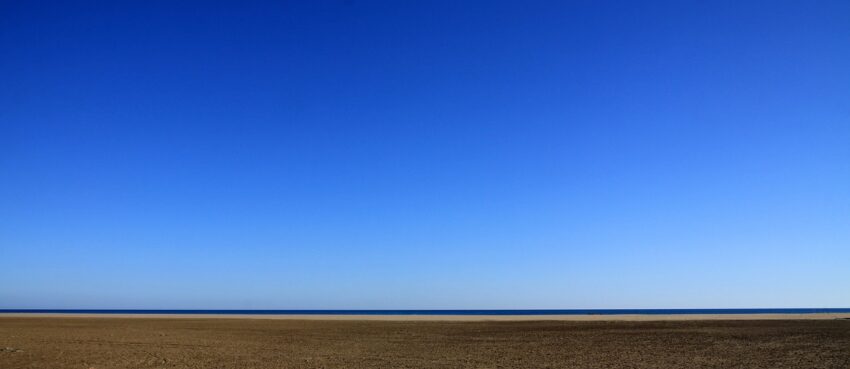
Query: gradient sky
{"type": "Point", "coordinates": [358, 154]}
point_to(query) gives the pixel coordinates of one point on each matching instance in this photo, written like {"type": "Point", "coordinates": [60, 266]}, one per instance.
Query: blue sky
{"type": "Point", "coordinates": [357, 154]}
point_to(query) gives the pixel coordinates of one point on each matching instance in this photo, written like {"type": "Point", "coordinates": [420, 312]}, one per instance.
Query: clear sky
{"type": "Point", "coordinates": [405, 154]}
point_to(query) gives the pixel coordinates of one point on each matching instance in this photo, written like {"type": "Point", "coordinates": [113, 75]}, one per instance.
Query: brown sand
{"type": "Point", "coordinates": [83, 342]}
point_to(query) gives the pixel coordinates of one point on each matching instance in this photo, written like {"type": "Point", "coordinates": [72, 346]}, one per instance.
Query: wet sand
{"type": "Point", "coordinates": [120, 342]}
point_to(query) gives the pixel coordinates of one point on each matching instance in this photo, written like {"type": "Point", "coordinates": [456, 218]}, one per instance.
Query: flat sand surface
{"type": "Point", "coordinates": [153, 342]}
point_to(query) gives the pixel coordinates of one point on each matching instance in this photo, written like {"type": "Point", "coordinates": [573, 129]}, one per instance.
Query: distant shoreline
{"type": "Point", "coordinates": [415, 317]}
{"type": "Point", "coordinates": [452, 315]}
{"type": "Point", "coordinates": [489, 312]}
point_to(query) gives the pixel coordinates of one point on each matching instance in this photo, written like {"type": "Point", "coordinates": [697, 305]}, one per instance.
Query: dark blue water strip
{"type": "Point", "coordinates": [442, 312]}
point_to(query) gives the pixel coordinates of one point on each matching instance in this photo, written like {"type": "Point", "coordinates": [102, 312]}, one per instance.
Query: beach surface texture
{"type": "Point", "coordinates": [115, 341]}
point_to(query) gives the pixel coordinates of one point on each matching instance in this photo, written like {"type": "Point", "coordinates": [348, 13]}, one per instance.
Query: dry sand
{"type": "Point", "coordinates": [224, 342]}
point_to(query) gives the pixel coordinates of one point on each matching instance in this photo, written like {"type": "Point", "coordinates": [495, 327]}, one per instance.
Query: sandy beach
{"type": "Point", "coordinates": [59, 342]}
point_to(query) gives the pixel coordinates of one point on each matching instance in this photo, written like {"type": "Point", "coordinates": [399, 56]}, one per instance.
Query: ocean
{"type": "Point", "coordinates": [442, 312]}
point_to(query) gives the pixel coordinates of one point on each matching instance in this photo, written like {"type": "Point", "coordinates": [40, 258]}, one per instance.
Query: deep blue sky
{"type": "Point", "coordinates": [355, 154]}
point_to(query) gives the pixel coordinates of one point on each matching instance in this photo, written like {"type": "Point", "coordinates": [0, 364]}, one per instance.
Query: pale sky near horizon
{"type": "Point", "coordinates": [424, 154]}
